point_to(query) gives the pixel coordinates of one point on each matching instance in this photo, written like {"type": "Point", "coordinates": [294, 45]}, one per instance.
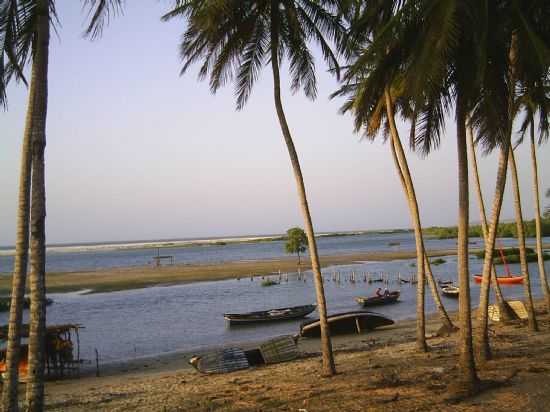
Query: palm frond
{"type": "Point", "coordinates": [100, 13]}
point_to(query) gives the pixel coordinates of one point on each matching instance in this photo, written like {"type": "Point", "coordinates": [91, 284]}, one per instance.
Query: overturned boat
{"type": "Point", "coordinates": [272, 315]}
{"type": "Point", "coordinates": [347, 322]}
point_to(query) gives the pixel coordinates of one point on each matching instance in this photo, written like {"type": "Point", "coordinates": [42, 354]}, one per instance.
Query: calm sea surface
{"type": "Point", "coordinates": [124, 325]}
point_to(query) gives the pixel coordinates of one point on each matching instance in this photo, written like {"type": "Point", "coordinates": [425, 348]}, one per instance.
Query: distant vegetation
{"type": "Point", "coordinates": [504, 230]}
{"type": "Point", "coordinates": [511, 255]}
{"type": "Point", "coordinates": [438, 261]}
{"type": "Point", "coordinates": [269, 282]}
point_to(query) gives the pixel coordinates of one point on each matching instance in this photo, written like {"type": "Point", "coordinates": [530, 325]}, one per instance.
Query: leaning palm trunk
{"type": "Point", "coordinates": [482, 334]}
{"type": "Point", "coordinates": [9, 395]}
{"type": "Point", "coordinates": [521, 241]}
{"type": "Point", "coordinates": [504, 309]}
{"type": "Point", "coordinates": [540, 256]}
{"type": "Point", "coordinates": [406, 182]}
{"type": "Point", "coordinates": [469, 379]}
{"type": "Point", "coordinates": [37, 329]}
{"type": "Point", "coordinates": [328, 368]}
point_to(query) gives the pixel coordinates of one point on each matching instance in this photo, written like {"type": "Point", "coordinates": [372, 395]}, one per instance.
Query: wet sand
{"type": "Point", "coordinates": [109, 280]}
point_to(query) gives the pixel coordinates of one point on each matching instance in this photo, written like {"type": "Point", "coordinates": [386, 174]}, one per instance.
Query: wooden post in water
{"type": "Point", "coordinates": [96, 363]}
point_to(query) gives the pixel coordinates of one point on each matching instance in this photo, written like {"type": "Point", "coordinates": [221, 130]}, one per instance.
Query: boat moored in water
{"type": "Point", "coordinates": [391, 297]}
{"type": "Point", "coordinates": [450, 291]}
{"type": "Point", "coordinates": [504, 280]}
{"type": "Point", "coordinates": [272, 315]}
{"type": "Point", "coordinates": [347, 322]}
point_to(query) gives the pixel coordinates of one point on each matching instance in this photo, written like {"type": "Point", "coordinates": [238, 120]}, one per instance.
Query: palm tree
{"type": "Point", "coordinates": [521, 241]}
{"type": "Point", "coordinates": [24, 37]}
{"type": "Point", "coordinates": [365, 20]}
{"type": "Point", "coordinates": [527, 63]}
{"type": "Point", "coordinates": [372, 126]}
{"type": "Point", "coordinates": [540, 94]}
{"type": "Point", "coordinates": [506, 312]}
{"type": "Point", "coordinates": [437, 65]}
{"type": "Point", "coordinates": [236, 39]}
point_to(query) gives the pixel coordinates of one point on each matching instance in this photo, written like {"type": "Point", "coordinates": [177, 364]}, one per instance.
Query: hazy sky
{"type": "Point", "coordinates": [137, 152]}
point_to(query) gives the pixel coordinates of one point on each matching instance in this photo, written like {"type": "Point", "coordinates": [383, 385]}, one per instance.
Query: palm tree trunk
{"type": "Point", "coordinates": [408, 188]}
{"type": "Point", "coordinates": [521, 241]}
{"type": "Point", "coordinates": [328, 368]}
{"type": "Point", "coordinates": [482, 334]}
{"type": "Point", "coordinates": [37, 328]}
{"type": "Point", "coordinates": [542, 271]}
{"type": "Point", "coordinates": [469, 379]}
{"type": "Point", "coordinates": [504, 309]}
{"type": "Point", "coordinates": [10, 394]}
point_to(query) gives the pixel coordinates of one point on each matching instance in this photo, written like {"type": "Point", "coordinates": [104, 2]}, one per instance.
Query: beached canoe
{"type": "Point", "coordinates": [503, 280]}
{"type": "Point", "coordinates": [272, 315]}
{"type": "Point", "coordinates": [347, 322]}
{"type": "Point", "coordinates": [378, 300]}
{"type": "Point", "coordinates": [450, 291]}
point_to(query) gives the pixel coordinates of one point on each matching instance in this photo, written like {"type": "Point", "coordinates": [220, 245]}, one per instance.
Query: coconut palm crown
{"type": "Point", "coordinates": [234, 38]}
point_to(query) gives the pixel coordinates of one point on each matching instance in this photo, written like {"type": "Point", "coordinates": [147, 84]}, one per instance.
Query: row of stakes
{"type": "Point", "coordinates": [341, 277]}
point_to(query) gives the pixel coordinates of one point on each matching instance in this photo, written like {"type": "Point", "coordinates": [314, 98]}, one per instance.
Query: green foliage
{"type": "Point", "coordinates": [438, 261]}
{"type": "Point", "coordinates": [296, 241]}
{"type": "Point", "coordinates": [268, 282]}
{"type": "Point", "coordinates": [504, 230]}
{"type": "Point", "coordinates": [511, 255]}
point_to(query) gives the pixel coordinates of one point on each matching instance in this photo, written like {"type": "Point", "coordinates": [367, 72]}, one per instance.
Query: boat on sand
{"type": "Point", "coordinates": [347, 322]}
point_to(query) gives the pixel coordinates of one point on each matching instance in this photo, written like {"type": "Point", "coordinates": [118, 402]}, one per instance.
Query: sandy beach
{"type": "Point", "coordinates": [376, 371]}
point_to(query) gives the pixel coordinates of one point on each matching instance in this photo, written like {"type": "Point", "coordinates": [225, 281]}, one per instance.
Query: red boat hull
{"type": "Point", "coordinates": [503, 280]}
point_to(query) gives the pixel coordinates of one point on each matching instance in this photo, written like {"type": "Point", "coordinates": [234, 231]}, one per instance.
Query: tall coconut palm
{"type": "Point", "coordinates": [533, 326]}
{"type": "Point", "coordinates": [235, 39]}
{"type": "Point", "coordinates": [541, 94]}
{"type": "Point", "coordinates": [438, 66]}
{"type": "Point", "coordinates": [24, 38]}
{"type": "Point", "coordinates": [372, 125]}
{"type": "Point", "coordinates": [527, 62]}
{"type": "Point", "coordinates": [506, 312]}
{"type": "Point", "coordinates": [365, 19]}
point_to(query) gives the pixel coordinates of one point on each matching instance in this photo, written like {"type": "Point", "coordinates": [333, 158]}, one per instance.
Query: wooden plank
{"type": "Point", "coordinates": [494, 313]}
{"type": "Point", "coordinates": [519, 308]}
{"type": "Point", "coordinates": [223, 361]}
{"type": "Point", "coordinates": [279, 349]}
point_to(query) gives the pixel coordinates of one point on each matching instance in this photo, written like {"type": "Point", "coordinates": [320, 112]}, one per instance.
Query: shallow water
{"type": "Point", "coordinates": [124, 325]}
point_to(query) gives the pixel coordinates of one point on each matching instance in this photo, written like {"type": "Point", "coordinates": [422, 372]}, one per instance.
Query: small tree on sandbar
{"type": "Point", "coordinates": [296, 242]}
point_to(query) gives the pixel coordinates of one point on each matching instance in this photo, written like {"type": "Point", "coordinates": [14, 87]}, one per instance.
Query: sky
{"type": "Point", "coordinates": [134, 151]}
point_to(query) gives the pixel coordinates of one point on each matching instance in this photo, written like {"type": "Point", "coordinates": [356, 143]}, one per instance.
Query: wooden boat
{"type": "Point", "coordinates": [450, 291]}
{"type": "Point", "coordinates": [444, 282]}
{"type": "Point", "coordinates": [378, 300]}
{"type": "Point", "coordinates": [347, 322]}
{"type": "Point", "coordinates": [272, 315]}
{"type": "Point", "coordinates": [276, 350]}
{"type": "Point", "coordinates": [503, 280]}
{"type": "Point", "coordinates": [509, 279]}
